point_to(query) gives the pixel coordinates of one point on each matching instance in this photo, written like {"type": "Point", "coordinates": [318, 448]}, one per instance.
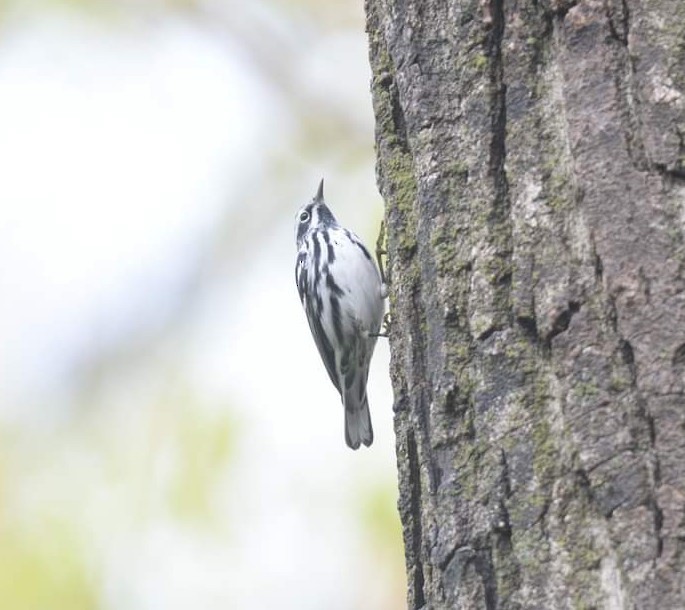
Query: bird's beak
{"type": "Point", "coordinates": [319, 192]}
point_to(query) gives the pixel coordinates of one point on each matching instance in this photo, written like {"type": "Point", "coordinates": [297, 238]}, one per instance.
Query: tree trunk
{"type": "Point", "coordinates": [531, 155]}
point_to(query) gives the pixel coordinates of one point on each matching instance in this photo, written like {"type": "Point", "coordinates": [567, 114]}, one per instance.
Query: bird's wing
{"type": "Point", "coordinates": [306, 279]}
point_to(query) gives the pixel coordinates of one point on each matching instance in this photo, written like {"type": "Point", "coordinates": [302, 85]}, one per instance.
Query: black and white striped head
{"type": "Point", "coordinates": [314, 215]}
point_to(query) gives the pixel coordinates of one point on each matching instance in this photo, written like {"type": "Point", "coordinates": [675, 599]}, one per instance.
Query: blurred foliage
{"type": "Point", "coordinates": [143, 446]}
{"type": "Point", "coordinates": [381, 525]}
{"type": "Point", "coordinates": [379, 516]}
{"type": "Point", "coordinates": [205, 446]}
{"type": "Point", "coordinates": [45, 569]}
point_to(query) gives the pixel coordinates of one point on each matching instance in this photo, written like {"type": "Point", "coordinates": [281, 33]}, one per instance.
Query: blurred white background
{"type": "Point", "coordinates": [169, 438]}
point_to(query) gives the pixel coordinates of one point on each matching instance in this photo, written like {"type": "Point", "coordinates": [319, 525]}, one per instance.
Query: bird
{"type": "Point", "coordinates": [342, 293]}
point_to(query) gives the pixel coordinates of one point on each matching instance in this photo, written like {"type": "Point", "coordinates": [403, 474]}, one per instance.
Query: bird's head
{"type": "Point", "coordinates": [314, 215]}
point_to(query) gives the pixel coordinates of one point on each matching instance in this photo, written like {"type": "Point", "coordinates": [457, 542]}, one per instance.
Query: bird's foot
{"type": "Point", "coordinates": [385, 327]}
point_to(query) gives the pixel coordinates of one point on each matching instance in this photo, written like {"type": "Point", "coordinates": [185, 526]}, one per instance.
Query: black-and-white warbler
{"type": "Point", "coordinates": [342, 294]}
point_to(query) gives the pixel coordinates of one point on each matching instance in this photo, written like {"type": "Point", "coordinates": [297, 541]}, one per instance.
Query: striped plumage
{"type": "Point", "coordinates": [342, 294]}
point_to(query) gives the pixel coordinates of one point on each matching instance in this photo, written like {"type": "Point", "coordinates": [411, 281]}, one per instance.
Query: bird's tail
{"type": "Point", "coordinates": [358, 427]}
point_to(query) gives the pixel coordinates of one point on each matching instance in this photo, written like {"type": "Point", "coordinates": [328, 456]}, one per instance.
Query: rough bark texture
{"type": "Point", "coordinates": [531, 154]}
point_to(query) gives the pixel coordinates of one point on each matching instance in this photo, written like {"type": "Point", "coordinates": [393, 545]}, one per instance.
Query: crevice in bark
{"type": "Point", "coordinates": [416, 533]}
{"type": "Point", "coordinates": [599, 266]}
{"type": "Point", "coordinates": [654, 469]}
{"type": "Point", "coordinates": [456, 570]}
{"type": "Point", "coordinates": [561, 322]}
{"type": "Point", "coordinates": [486, 571]}
{"type": "Point", "coordinates": [488, 332]}
{"type": "Point", "coordinates": [498, 101]}
{"type": "Point", "coordinates": [529, 326]}
{"type": "Point", "coordinates": [443, 563]}
{"type": "Point", "coordinates": [652, 458]}
{"type": "Point", "coordinates": [679, 356]}
{"type": "Point", "coordinates": [618, 23]}
{"type": "Point", "coordinates": [501, 525]}
{"type": "Point", "coordinates": [676, 174]}
{"type": "Point", "coordinates": [399, 123]}
{"type": "Point", "coordinates": [558, 8]}
{"type": "Point", "coordinates": [618, 27]}
{"type": "Point", "coordinates": [500, 212]}
{"type": "Point", "coordinates": [421, 394]}
{"type": "Point", "coordinates": [505, 478]}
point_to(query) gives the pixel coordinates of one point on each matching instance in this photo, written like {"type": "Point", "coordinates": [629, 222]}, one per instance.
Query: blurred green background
{"type": "Point", "coordinates": [169, 438]}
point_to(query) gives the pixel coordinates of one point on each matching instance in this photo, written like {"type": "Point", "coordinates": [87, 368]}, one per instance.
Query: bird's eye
{"type": "Point", "coordinates": [304, 217]}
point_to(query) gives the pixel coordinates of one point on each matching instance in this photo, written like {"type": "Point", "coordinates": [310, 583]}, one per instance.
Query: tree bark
{"type": "Point", "coordinates": [531, 155]}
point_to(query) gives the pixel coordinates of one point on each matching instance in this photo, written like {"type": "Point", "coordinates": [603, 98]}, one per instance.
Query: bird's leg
{"type": "Point", "coordinates": [380, 253]}
{"type": "Point", "coordinates": [385, 327]}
